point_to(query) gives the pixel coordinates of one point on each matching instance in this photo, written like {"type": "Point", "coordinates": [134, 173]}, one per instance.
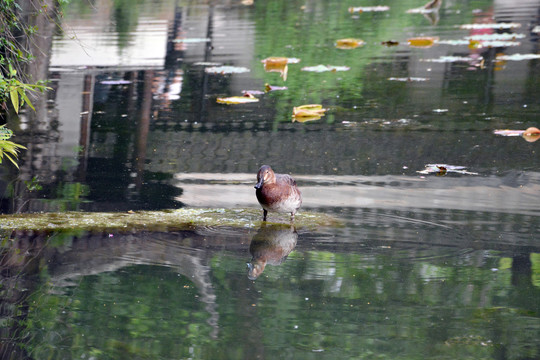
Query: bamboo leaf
{"type": "Point", "coordinates": [27, 100]}
{"type": "Point", "coordinates": [14, 96]}
{"type": "Point", "coordinates": [13, 161]}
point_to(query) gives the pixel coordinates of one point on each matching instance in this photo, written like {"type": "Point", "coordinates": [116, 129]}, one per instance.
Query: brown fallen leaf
{"type": "Point", "coordinates": [390, 43]}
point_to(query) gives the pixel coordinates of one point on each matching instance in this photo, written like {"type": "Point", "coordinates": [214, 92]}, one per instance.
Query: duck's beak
{"type": "Point", "coordinates": [259, 184]}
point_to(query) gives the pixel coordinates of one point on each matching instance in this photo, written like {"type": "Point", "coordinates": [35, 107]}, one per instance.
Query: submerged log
{"type": "Point", "coordinates": [164, 220]}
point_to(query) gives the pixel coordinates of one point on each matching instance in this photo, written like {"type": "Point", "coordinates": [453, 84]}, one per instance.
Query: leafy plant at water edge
{"type": "Point", "coordinates": [16, 90]}
{"type": "Point", "coordinates": [9, 149]}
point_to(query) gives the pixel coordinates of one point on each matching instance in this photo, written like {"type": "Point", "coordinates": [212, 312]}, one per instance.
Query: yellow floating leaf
{"type": "Point", "coordinates": [474, 44]}
{"type": "Point", "coordinates": [306, 118]}
{"type": "Point", "coordinates": [275, 61]}
{"type": "Point", "coordinates": [308, 112]}
{"type": "Point", "coordinates": [422, 42]}
{"type": "Point", "coordinates": [233, 100]}
{"type": "Point", "coordinates": [279, 64]}
{"type": "Point", "coordinates": [349, 43]}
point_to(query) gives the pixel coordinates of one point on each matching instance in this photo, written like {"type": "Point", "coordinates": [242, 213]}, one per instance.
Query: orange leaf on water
{"type": "Point", "coordinates": [349, 43]}
{"type": "Point", "coordinates": [422, 42]}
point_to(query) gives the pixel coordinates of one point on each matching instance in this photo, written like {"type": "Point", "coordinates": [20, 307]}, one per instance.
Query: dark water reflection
{"type": "Point", "coordinates": [427, 265]}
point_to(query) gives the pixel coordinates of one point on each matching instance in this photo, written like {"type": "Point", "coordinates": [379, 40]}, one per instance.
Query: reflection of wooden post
{"type": "Point", "coordinates": [86, 120]}
{"type": "Point", "coordinates": [143, 127]}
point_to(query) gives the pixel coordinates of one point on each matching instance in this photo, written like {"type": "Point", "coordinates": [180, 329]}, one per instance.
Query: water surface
{"type": "Point", "coordinates": [439, 264]}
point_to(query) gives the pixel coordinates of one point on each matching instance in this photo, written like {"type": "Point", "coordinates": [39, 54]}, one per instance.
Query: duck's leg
{"type": "Point", "coordinates": [264, 214]}
{"type": "Point", "coordinates": [292, 217]}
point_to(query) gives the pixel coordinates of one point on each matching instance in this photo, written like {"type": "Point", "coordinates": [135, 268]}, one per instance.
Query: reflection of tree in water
{"type": "Point", "coordinates": [271, 245]}
{"type": "Point", "coordinates": [126, 17]}
{"type": "Point", "coordinates": [140, 283]}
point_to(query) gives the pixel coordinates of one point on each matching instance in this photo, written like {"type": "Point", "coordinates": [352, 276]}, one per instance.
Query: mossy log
{"type": "Point", "coordinates": [165, 220]}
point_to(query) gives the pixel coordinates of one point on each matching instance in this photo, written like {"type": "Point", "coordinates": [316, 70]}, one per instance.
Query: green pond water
{"type": "Point", "coordinates": [418, 237]}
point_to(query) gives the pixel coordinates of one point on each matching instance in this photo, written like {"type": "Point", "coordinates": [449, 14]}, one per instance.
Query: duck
{"type": "Point", "coordinates": [277, 192]}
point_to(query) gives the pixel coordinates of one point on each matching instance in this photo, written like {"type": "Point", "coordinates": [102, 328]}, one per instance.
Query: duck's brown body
{"type": "Point", "coordinates": [277, 192]}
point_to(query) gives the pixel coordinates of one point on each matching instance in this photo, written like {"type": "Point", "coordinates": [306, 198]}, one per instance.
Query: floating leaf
{"type": "Point", "coordinates": [496, 44]}
{"type": "Point", "coordinates": [222, 70]}
{"type": "Point", "coordinates": [361, 9]}
{"type": "Point", "coordinates": [509, 132]}
{"type": "Point", "coordinates": [447, 59]}
{"type": "Point", "coordinates": [408, 79]}
{"type": "Point", "coordinates": [493, 37]}
{"type": "Point", "coordinates": [269, 87]}
{"type": "Point", "coordinates": [115, 82]}
{"type": "Point", "coordinates": [253, 92]}
{"type": "Point", "coordinates": [346, 44]}
{"type": "Point", "coordinates": [308, 112]}
{"type": "Point", "coordinates": [531, 134]}
{"type": "Point", "coordinates": [518, 57]}
{"type": "Point", "coordinates": [323, 68]}
{"type": "Point", "coordinates": [390, 43]}
{"type": "Point", "coordinates": [473, 43]}
{"type": "Point", "coordinates": [276, 61]}
{"type": "Point", "coordinates": [206, 63]}
{"type": "Point", "coordinates": [233, 100]}
{"type": "Point", "coordinates": [277, 64]}
{"type": "Point", "coordinates": [443, 169]}
{"type": "Point", "coordinates": [191, 40]}
{"type": "Point", "coordinates": [303, 119]}
{"type": "Point", "coordinates": [490, 26]}
{"type": "Point", "coordinates": [422, 42]}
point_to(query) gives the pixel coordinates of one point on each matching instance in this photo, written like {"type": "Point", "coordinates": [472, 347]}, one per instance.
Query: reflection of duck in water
{"type": "Point", "coordinates": [429, 10]}
{"type": "Point", "coordinates": [277, 192]}
{"type": "Point", "coordinates": [270, 245]}
{"type": "Point", "coordinates": [433, 5]}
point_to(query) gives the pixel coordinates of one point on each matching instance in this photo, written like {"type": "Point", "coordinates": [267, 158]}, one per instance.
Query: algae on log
{"type": "Point", "coordinates": [165, 220]}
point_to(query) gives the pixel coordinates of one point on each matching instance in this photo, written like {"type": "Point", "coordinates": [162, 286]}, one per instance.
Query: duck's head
{"type": "Point", "coordinates": [265, 175]}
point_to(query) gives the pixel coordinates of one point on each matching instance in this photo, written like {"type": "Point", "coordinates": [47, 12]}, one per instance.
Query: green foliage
{"type": "Point", "coordinates": [33, 185]}
{"type": "Point", "coordinates": [16, 90]}
{"type": "Point", "coordinates": [9, 149]}
{"type": "Point", "coordinates": [14, 87]}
